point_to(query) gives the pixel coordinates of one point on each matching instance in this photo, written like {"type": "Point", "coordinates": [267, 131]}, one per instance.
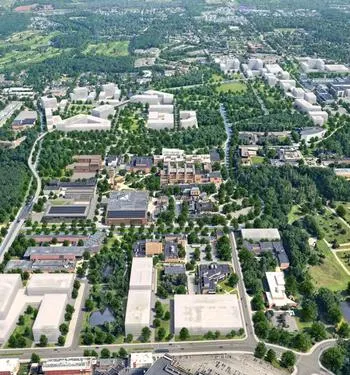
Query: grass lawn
{"type": "Point", "coordinates": [216, 77]}
{"type": "Point", "coordinates": [233, 87]}
{"type": "Point", "coordinates": [114, 48]}
{"type": "Point", "coordinates": [257, 159]}
{"type": "Point", "coordinates": [294, 214]}
{"type": "Point", "coordinates": [20, 329]}
{"type": "Point", "coordinates": [224, 288]}
{"type": "Point", "coordinates": [344, 256]}
{"type": "Point", "coordinates": [330, 274]}
{"type": "Point", "coordinates": [164, 323]}
{"type": "Point", "coordinates": [347, 206]}
{"type": "Point", "coordinates": [333, 227]}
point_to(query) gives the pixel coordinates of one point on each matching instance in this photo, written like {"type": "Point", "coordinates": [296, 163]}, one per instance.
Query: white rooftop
{"type": "Point", "coordinates": [9, 285]}
{"type": "Point", "coordinates": [76, 363]}
{"type": "Point", "coordinates": [9, 365]}
{"type": "Point", "coordinates": [201, 313]}
{"type": "Point", "coordinates": [141, 273]}
{"type": "Point", "coordinates": [138, 308]}
{"type": "Point", "coordinates": [46, 282]}
{"type": "Point", "coordinates": [257, 234]}
{"type": "Point", "coordinates": [277, 291]}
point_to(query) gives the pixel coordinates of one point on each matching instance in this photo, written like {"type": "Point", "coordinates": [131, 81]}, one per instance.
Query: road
{"type": "Point", "coordinates": [228, 128]}
{"type": "Point", "coordinates": [23, 212]}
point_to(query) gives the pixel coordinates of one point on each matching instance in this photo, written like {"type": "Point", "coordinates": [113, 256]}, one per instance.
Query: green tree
{"type": "Point", "coordinates": [271, 356]}
{"type": "Point", "coordinates": [260, 350]}
{"type": "Point", "coordinates": [61, 340]}
{"type": "Point", "coordinates": [341, 211]}
{"type": "Point", "coordinates": [105, 353]}
{"type": "Point", "coordinates": [129, 337]}
{"type": "Point", "coordinates": [34, 358]}
{"type": "Point", "coordinates": [145, 334]}
{"type": "Point", "coordinates": [333, 359]}
{"type": "Point", "coordinates": [184, 334]}
{"type": "Point", "coordinates": [308, 310]}
{"type": "Point", "coordinates": [161, 334]}
{"type": "Point", "coordinates": [156, 323]}
{"type": "Point", "coordinates": [344, 330]}
{"type": "Point", "coordinates": [233, 280]}
{"type": "Point", "coordinates": [43, 341]}
{"type": "Point", "coordinates": [288, 359]}
{"type": "Point", "coordinates": [122, 353]}
{"type": "Point", "coordinates": [318, 331]}
{"type": "Point", "coordinates": [64, 328]}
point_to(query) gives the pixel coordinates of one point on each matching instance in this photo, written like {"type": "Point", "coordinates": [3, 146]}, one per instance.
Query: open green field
{"type": "Point", "coordinates": [115, 48]}
{"type": "Point", "coordinates": [224, 288]}
{"type": "Point", "coordinates": [27, 47]}
{"type": "Point", "coordinates": [233, 87]}
{"type": "Point", "coordinates": [257, 160]}
{"type": "Point", "coordinates": [333, 227]}
{"type": "Point", "coordinates": [294, 214]}
{"type": "Point", "coordinates": [330, 274]}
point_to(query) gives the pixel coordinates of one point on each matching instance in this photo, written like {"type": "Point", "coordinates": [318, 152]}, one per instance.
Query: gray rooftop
{"type": "Point", "coordinates": [24, 115]}
{"type": "Point", "coordinates": [78, 251]}
{"type": "Point", "coordinates": [128, 201]}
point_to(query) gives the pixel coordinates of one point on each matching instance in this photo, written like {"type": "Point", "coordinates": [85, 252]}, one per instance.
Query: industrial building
{"type": "Point", "coordinates": [69, 212]}
{"type": "Point", "coordinates": [138, 311]}
{"type": "Point", "coordinates": [70, 365]}
{"type": "Point", "coordinates": [43, 283]}
{"type": "Point", "coordinates": [201, 313]}
{"type": "Point", "coordinates": [127, 207]}
{"type": "Point", "coordinates": [76, 190]}
{"type": "Point", "coordinates": [276, 296]}
{"type": "Point", "coordinates": [9, 286]}
{"type": "Point", "coordinates": [55, 252]}
{"type": "Point", "coordinates": [103, 111]}
{"type": "Point", "coordinates": [83, 122]}
{"type": "Point", "coordinates": [49, 319]}
{"type": "Point", "coordinates": [141, 275]}
{"type": "Point", "coordinates": [9, 366]}
{"type": "Point", "coordinates": [24, 119]}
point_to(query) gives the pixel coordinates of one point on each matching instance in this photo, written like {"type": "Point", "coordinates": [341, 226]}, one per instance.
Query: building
{"type": "Point", "coordinates": [68, 212]}
{"type": "Point", "coordinates": [9, 286]}
{"type": "Point", "coordinates": [99, 318]}
{"type": "Point", "coordinates": [201, 313]}
{"type": "Point", "coordinates": [49, 319]}
{"type": "Point", "coordinates": [175, 269]}
{"type": "Point", "coordinates": [19, 92]}
{"type": "Point", "coordinates": [83, 122]}
{"type": "Point", "coordinates": [76, 190]}
{"type": "Point", "coordinates": [178, 168]}
{"type": "Point", "coordinates": [171, 252]}
{"type": "Point", "coordinates": [289, 155]}
{"type": "Point", "coordinates": [87, 163]}
{"type": "Point", "coordinates": [166, 366]}
{"type": "Point", "coordinates": [9, 366]}
{"type": "Point", "coordinates": [276, 296]}
{"type": "Point", "coordinates": [148, 248]}
{"type": "Point", "coordinates": [209, 275]}
{"type": "Point", "coordinates": [66, 253]}
{"type": "Point", "coordinates": [308, 134]}
{"type": "Point", "coordinates": [103, 111]}
{"type": "Point", "coordinates": [127, 207]}
{"type": "Point", "coordinates": [24, 119]}
{"type": "Point", "coordinates": [141, 360]}
{"type": "Point", "coordinates": [141, 276]}
{"type": "Point", "coordinates": [298, 92]}
{"type": "Point", "coordinates": [110, 91]}
{"type": "Point", "coordinates": [80, 94]}
{"type": "Point", "coordinates": [342, 172]}
{"type": "Point", "coordinates": [188, 119]}
{"type": "Point", "coordinates": [228, 64]}
{"type": "Point", "coordinates": [160, 120]}
{"type": "Point", "coordinates": [340, 87]}
{"type": "Point", "coordinates": [140, 164]}
{"type": "Point", "coordinates": [68, 366]}
{"type": "Point", "coordinates": [43, 283]}
{"type": "Point", "coordinates": [138, 311]}
{"type": "Point", "coordinates": [260, 234]}
{"type": "Point", "coordinates": [49, 103]}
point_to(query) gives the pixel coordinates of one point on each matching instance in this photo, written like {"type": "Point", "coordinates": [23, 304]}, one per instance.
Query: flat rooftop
{"type": "Point", "coordinates": [76, 363]}
{"type": "Point", "coordinates": [257, 234]}
{"type": "Point", "coordinates": [50, 312]}
{"type": "Point", "coordinates": [54, 250]}
{"type": "Point", "coordinates": [138, 308]}
{"type": "Point", "coordinates": [9, 284]}
{"type": "Point", "coordinates": [43, 281]}
{"type": "Point", "coordinates": [141, 273]}
{"type": "Point", "coordinates": [205, 312]}
{"type": "Point", "coordinates": [128, 201]}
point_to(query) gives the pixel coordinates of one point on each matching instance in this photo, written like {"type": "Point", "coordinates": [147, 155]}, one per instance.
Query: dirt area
{"type": "Point", "coordinates": [229, 364]}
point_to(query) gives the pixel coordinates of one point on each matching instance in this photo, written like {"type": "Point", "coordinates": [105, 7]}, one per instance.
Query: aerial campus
{"type": "Point", "coordinates": [174, 194]}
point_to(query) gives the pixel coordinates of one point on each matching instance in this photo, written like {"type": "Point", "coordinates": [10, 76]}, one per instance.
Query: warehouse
{"type": "Point", "coordinates": [138, 311]}
{"type": "Point", "coordinates": [25, 118]}
{"type": "Point", "coordinates": [201, 313]}
{"type": "Point", "coordinates": [55, 252]}
{"type": "Point", "coordinates": [141, 274]}
{"type": "Point", "coordinates": [66, 212]}
{"type": "Point", "coordinates": [9, 286]}
{"type": "Point", "coordinates": [40, 284]}
{"type": "Point", "coordinates": [49, 319]}
{"type": "Point", "coordinates": [127, 207]}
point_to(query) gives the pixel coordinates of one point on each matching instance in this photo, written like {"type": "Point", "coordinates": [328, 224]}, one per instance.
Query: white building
{"type": "Point", "coordinates": [188, 119]}
{"type": "Point", "coordinates": [103, 111]}
{"type": "Point", "coordinates": [318, 117]}
{"type": "Point", "coordinates": [276, 296]}
{"type": "Point", "coordinates": [201, 313]}
{"type": "Point", "coordinates": [141, 360]}
{"type": "Point", "coordinates": [9, 286]}
{"type": "Point", "coordinates": [287, 84]}
{"type": "Point", "coordinates": [163, 97]}
{"type": "Point", "coordinates": [110, 91]}
{"type": "Point", "coordinates": [75, 365]}
{"type": "Point", "coordinates": [49, 103]}
{"type": "Point", "coordinates": [83, 122]}
{"type": "Point", "coordinates": [284, 75]}
{"type": "Point", "coordinates": [298, 92]}
{"type": "Point", "coordinates": [9, 366]}
{"type": "Point", "coordinates": [257, 234]}
{"type": "Point", "coordinates": [53, 283]}
{"type": "Point", "coordinates": [228, 64]}
{"type": "Point", "coordinates": [50, 317]}
{"type": "Point", "coordinates": [145, 99]}
{"type": "Point", "coordinates": [255, 64]}
{"type": "Point", "coordinates": [80, 94]}
{"type": "Point", "coordinates": [273, 68]}
{"type": "Point", "coordinates": [138, 311]}
{"type": "Point", "coordinates": [141, 276]}
{"type": "Point", "coordinates": [161, 108]}
{"type": "Point", "coordinates": [271, 79]}
{"type": "Point", "coordinates": [160, 121]}
{"type": "Point", "coordinates": [304, 106]}
{"type": "Point", "coordinates": [310, 97]}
